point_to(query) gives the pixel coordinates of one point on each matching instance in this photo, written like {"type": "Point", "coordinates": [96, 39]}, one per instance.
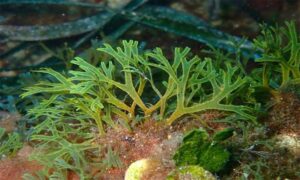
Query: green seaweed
{"type": "Point", "coordinates": [73, 103]}
{"type": "Point", "coordinates": [92, 89]}
{"type": "Point", "coordinates": [281, 47]}
{"type": "Point", "coordinates": [10, 143]}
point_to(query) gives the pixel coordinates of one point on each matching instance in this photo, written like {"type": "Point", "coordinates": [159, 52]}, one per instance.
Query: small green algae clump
{"type": "Point", "coordinates": [198, 149]}
{"type": "Point", "coordinates": [190, 172]}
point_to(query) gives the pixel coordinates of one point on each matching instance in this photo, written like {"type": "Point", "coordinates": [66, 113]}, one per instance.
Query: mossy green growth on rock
{"type": "Point", "coordinates": [190, 172]}
{"type": "Point", "coordinates": [198, 149]}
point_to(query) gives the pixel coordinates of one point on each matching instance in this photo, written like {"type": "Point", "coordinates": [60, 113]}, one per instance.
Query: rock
{"type": "Point", "coordinates": [140, 168]}
{"type": "Point", "coordinates": [289, 141]}
{"type": "Point", "coordinates": [9, 120]}
{"type": "Point", "coordinates": [25, 152]}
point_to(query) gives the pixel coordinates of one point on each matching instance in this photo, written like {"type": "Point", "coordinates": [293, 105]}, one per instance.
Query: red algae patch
{"type": "Point", "coordinates": [14, 168]}
{"type": "Point", "coordinates": [113, 174]}
{"type": "Point", "coordinates": [151, 140]}
{"type": "Point", "coordinates": [148, 140]}
{"type": "Point", "coordinates": [284, 117]}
